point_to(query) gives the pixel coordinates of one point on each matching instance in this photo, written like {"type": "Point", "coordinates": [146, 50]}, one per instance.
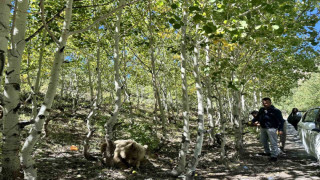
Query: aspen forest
{"type": "Point", "coordinates": [177, 77]}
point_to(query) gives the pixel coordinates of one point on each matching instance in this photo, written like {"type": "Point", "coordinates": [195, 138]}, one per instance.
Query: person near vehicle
{"type": "Point", "coordinates": [270, 120]}
{"type": "Point", "coordinates": [294, 118]}
{"type": "Point", "coordinates": [283, 136]}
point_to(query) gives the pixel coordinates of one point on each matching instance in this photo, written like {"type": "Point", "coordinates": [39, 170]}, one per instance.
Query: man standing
{"type": "Point", "coordinates": [270, 120]}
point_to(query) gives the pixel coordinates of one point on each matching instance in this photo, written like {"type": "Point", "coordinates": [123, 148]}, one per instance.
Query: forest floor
{"type": "Point", "coordinates": [56, 161]}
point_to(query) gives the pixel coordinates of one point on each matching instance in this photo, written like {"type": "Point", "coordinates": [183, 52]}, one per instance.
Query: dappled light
{"type": "Point", "coordinates": [159, 89]}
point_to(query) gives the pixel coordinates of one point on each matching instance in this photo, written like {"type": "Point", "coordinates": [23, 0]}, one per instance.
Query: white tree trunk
{"type": "Point", "coordinates": [90, 81]}
{"type": "Point", "coordinates": [243, 103]}
{"type": "Point", "coordinates": [109, 125]}
{"type": "Point", "coordinates": [209, 94]}
{"type": "Point", "coordinates": [230, 100]}
{"type": "Point", "coordinates": [238, 128]}
{"type": "Point", "coordinates": [155, 82]}
{"type": "Point", "coordinates": [222, 129]}
{"type": "Point", "coordinates": [196, 73]}
{"type": "Point", "coordinates": [99, 89]}
{"type": "Point", "coordinates": [185, 142]}
{"type": "Point", "coordinates": [96, 104]}
{"type": "Point", "coordinates": [255, 100]}
{"type": "Point", "coordinates": [222, 123]}
{"type": "Point", "coordinates": [37, 83]}
{"type": "Point", "coordinates": [11, 130]}
{"type": "Point", "coordinates": [26, 154]}
{"type": "Point", "coordinates": [5, 6]}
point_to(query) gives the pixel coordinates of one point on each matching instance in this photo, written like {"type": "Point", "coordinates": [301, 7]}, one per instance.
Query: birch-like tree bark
{"type": "Point", "coordinates": [37, 83]}
{"type": "Point", "coordinates": [230, 101]}
{"type": "Point", "coordinates": [95, 107]}
{"type": "Point", "coordinates": [11, 127]}
{"type": "Point", "coordinates": [5, 6]}
{"type": "Point", "coordinates": [27, 161]}
{"type": "Point", "coordinates": [238, 128]}
{"type": "Point", "coordinates": [155, 82]}
{"type": "Point", "coordinates": [222, 124]}
{"type": "Point", "coordinates": [185, 141]}
{"type": "Point", "coordinates": [90, 80]}
{"type": "Point", "coordinates": [209, 94]}
{"type": "Point", "coordinates": [62, 84]}
{"type": "Point", "coordinates": [116, 54]}
{"type": "Point", "coordinates": [198, 147]}
{"type": "Point", "coordinates": [255, 100]}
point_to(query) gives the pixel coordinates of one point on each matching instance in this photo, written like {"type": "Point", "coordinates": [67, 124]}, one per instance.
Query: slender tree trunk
{"type": "Point", "coordinates": [95, 107]}
{"type": "Point", "coordinates": [74, 86]}
{"type": "Point", "coordinates": [165, 101]}
{"type": "Point", "coordinates": [176, 98]}
{"type": "Point", "coordinates": [185, 142]}
{"type": "Point", "coordinates": [196, 73]}
{"type": "Point", "coordinates": [236, 111]}
{"type": "Point", "coordinates": [243, 103]}
{"type": "Point", "coordinates": [209, 94]}
{"type": "Point", "coordinates": [37, 83]}
{"type": "Point", "coordinates": [255, 100]}
{"type": "Point", "coordinates": [155, 82]}
{"type": "Point", "coordinates": [90, 81]}
{"type": "Point", "coordinates": [27, 161]}
{"type": "Point", "coordinates": [99, 82]}
{"type": "Point", "coordinates": [138, 98]}
{"type": "Point", "coordinates": [5, 6]}
{"type": "Point", "coordinates": [11, 131]}
{"type": "Point", "coordinates": [222, 126]}
{"type": "Point", "coordinates": [230, 101]}
{"type": "Point", "coordinates": [110, 124]}
{"type": "Point", "coordinates": [91, 129]}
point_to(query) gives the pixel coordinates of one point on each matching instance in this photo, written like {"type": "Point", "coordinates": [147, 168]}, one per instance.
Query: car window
{"type": "Point", "coordinates": [311, 115]}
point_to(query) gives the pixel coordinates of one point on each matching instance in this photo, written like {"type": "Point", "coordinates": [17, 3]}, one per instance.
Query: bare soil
{"type": "Point", "coordinates": [56, 161]}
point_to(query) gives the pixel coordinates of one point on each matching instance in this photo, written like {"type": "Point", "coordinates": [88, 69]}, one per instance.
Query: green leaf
{"type": "Point", "coordinates": [197, 18]}
{"type": "Point", "coordinates": [172, 21]}
{"type": "Point", "coordinates": [160, 3]}
{"type": "Point", "coordinates": [275, 27]}
{"type": "Point", "coordinates": [174, 6]}
{"type": "Point", "coordinates": [209, 28]}
{"type": "Point", "coordinates": [194, 8]}
{"type": "Point", "coordinates": [243, 24]}
{"type": "Point", "coordinates": [232, 86]}
{"type": "Point", "coordinates": [177, 26]}
{"type": "Point", "coordinates": [257, 27]}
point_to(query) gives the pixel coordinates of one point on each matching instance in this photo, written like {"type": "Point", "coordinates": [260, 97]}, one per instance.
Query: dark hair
{"type": "Point", "coordinates": [254, 112]}
{"type": "Point", "coordinates": [294, 110]}
{"type": "Point", "coordinates": [266, 99]}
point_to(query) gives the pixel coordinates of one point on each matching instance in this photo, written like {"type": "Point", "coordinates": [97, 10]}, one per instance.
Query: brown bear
{"type": "Point", "coordinates": [128, 153]}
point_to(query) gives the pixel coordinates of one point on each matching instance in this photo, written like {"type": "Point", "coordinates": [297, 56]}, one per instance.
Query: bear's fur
{"type": "Point", "coordinates": [128, 153]}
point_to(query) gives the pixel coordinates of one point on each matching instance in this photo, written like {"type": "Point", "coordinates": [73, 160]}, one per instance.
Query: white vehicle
{"type": "Point", "coordinates": [309, 131]}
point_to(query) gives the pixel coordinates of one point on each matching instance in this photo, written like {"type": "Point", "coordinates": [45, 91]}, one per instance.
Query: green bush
{"type": "Point", "coordinates": [144, 134]}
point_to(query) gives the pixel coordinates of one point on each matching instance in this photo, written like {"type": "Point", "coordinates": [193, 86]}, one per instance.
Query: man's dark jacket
{"type": "Point", "coordinates": [270, 118]}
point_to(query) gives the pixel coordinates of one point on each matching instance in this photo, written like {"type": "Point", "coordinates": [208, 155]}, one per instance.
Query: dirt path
{"type": "Point", "coordinates": [294, 164]}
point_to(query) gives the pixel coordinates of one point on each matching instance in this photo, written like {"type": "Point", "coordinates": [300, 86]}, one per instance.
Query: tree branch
{"type": "Point", "coordinates": [22, 124]}
{"type": "Point", "coordinates": [78, 7]}
{"type": "Point", "coordinates": [104, 16]}
{"type": "Point", "coordinates": [148, 68]}
{"type": "Point", "coordinates": [45, 24]}
{"type": "Point", "coordinates": [255, 8]}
